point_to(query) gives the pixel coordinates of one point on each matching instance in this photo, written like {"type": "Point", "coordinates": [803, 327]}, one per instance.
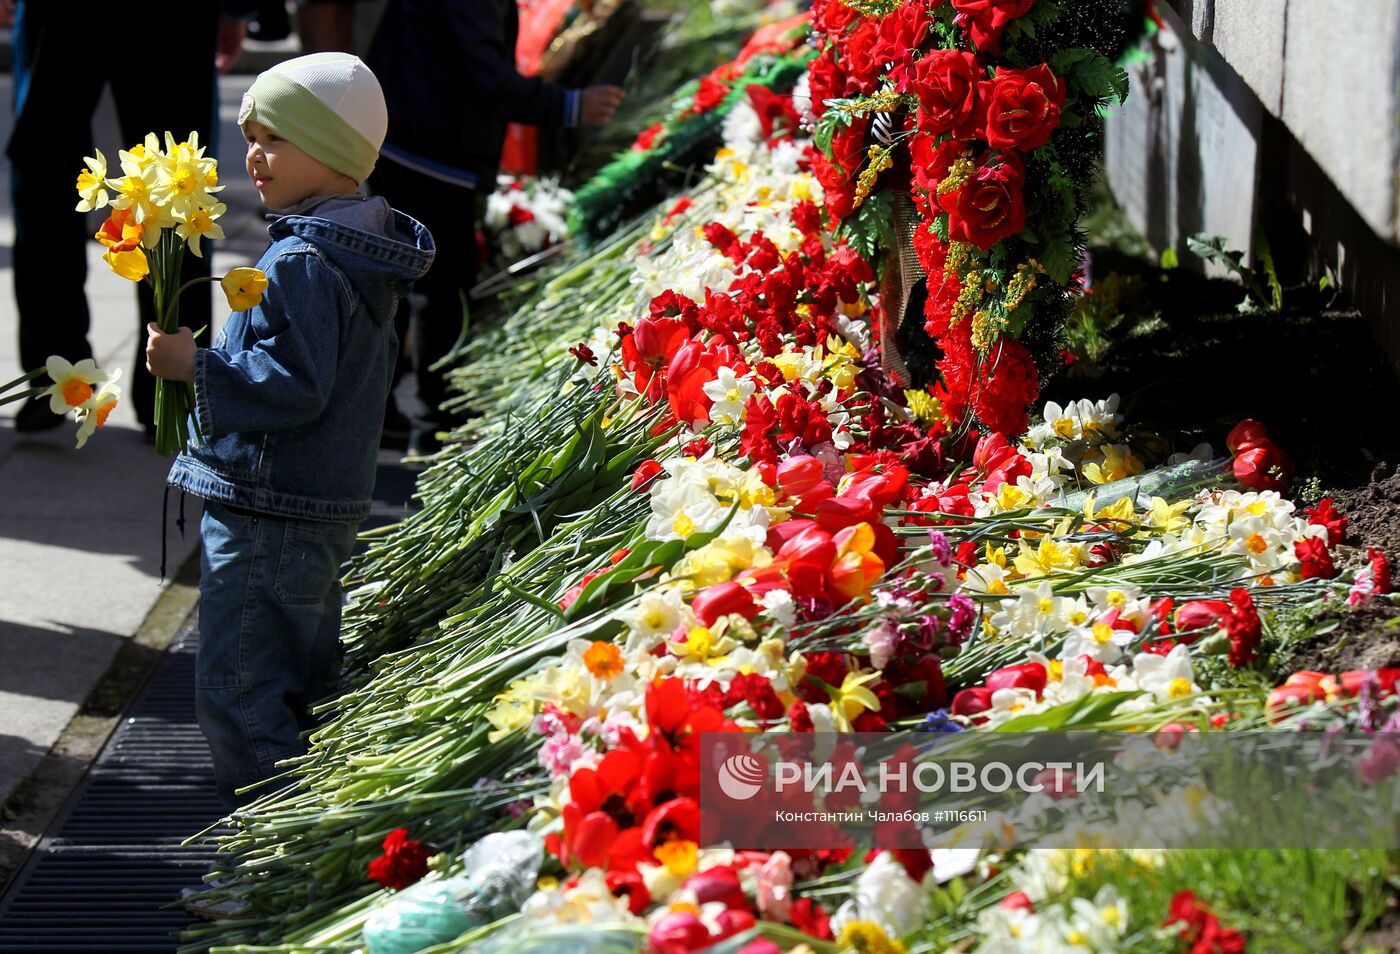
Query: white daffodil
{"type": "Point", "coordinates": [728, 392]}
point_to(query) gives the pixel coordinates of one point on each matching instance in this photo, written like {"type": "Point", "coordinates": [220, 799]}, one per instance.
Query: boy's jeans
{"type": "Point", "coordinates": [269, 636]}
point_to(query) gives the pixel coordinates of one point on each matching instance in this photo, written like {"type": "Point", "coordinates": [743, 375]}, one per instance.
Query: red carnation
{"type": "Point", "coordinates": [1317, 562]}
{"type": "Point", "coordinates": [1243, 627]}
{"type": "Point", "coordinates": [404, 861]}
{"type": "Point", "coordinates": [1325, 515]}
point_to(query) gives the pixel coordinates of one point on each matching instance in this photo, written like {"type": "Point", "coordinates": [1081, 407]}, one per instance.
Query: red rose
{"type": "Point", "coordinates": [947, 84]}
{"type": "Point", "coordinates": [1023, 107]}
{"type": "Point", "coordinates": [856, 51]}
{"type": "Point", "coordinates": [990, 206]}
{"type": "Point", "coordinates": [404, 861]}
{"type": "Point", "coordinates": [985, 20]}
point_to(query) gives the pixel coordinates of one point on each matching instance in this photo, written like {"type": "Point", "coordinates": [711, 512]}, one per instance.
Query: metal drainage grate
{"type": "Point", "coordinates": [100, 880]}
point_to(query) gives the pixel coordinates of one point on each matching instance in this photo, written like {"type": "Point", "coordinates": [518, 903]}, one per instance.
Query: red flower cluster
{"type": "Point", "coordinates": [641, 794]}
{"type": "Point", "coordinates": [1201, 929]}
{"type": "Point", "coordinates": [1325, 515]}
{"type": "Point", "coordinates": [1243, 627]}
{"type": "Point", "coordinates": [404, 861]}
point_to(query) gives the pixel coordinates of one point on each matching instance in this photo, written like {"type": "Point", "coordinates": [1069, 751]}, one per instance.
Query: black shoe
{"type": "Point", "coordinates": [148, 434]}
{"type": "Point", "coordinates": [34, 416]}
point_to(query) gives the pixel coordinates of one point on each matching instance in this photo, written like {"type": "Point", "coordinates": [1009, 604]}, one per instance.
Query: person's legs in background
{"type": "Point", "coordinates": [436, 308]}
{"type": "Point", "coordinates": [58, 78]}
{"type": "Point", "coordinates": [190, 105]}
{"type": "Point", "coordinates": [326, 25]}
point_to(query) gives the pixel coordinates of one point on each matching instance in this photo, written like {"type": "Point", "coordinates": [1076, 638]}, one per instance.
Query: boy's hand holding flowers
{"type": "Point", "coordinates": [170, 356]}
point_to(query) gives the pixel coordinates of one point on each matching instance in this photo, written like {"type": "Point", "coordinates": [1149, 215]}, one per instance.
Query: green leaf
{"type": "Point", "coordinates": [1084, 711]}
{"type": "Point", "coordinates": [871, 227]}
{"type": "Point", "coordinates": [1090, 74]}
{"type": "Point", "coordinates": [1057, 255]}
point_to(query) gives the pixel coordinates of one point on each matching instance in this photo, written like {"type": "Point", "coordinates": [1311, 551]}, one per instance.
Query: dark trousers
{"type": "Point", "coordinates": [59, 72]}
{"type": "Point", "coordinates": [433, 315]}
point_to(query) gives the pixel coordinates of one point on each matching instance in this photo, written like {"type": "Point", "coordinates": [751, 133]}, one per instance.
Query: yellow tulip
{"type": "Point", "coordinates": [130, 265]}
{"type": "Point", "coordinates": [244, 288]}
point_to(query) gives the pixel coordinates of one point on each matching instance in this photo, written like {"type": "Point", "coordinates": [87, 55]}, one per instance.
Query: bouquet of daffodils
{"type": "Point", "coordinates": [164, 202]}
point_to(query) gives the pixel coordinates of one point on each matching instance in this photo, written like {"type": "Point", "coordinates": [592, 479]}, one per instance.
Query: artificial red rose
{"type": "Point", "coordinates": [721, 600]}
{"type": "Point", "coordinates": [1023, 107]}
{"type": "Point", "coordinates": [826, 79]}
{"type": "Point", "coordinates": [990, 206]}
{"type": "Point", "coordinates": [1030, 676]}
{"type": "Point", "coordinates": [832, 17]}
{"type": "Point", "coordinates": [900, 33]}
{"type": "Point", "coordinates": [838, 188]}
{"type": "Point", "coordinates": [857, 52]}
{"type": "Point", "coordinates": [404, 861]}
{"type": "Point", "coordinates": [947, 85]}
{"type": "Point", "coordinates": [985, 20]}
{"type": "Point", "coordinates": [646, 472]}
{"type": "Point", "coordinates": [1316, 561]}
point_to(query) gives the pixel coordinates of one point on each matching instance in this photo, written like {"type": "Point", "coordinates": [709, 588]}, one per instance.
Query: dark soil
{"type": "Point", "coordinates": [1373, 512]}
{"type": "Point", "coordinates": [1383, 936]}
{"type": "Point", "coordinates": [1313, 375]}
{"type": "Point", "coordinates": [1364, 638]}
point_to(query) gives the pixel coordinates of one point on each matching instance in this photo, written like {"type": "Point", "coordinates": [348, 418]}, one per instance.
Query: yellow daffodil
{"type": "Point", "coordinates": [95, 411]}
{"type": "Point", "coordinates": [244, 287]}
{"type": "Point", "coordinates": [198, 223]}
{"type": "Point", "coordinates": [1167, 517]}
{"type": "Point", "coordinates": [182, 177]}
{"type": "Point", "coordinates": [131, 265]}
{"type": "Point", "coordinates": [72, 383]}
{"type": "Point", "coordinates": [92, 183]}
{"type": "Point", "coordinates": [852, 698]}
{"type": "Point", "coordinates": [1118, 462]}
{"type": "Point", "coordinates": [1049, 556]}
{"type": "Point", "coordinates": [867, 937]}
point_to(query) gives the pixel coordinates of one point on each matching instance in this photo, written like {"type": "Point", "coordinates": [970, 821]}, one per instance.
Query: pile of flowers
{"type": "Point", "coordinates": [525, 216]}
{"type": "Point", "coordinates": [814, 548]}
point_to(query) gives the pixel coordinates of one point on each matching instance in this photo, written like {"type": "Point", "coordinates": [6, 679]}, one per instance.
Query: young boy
{"type": "Point", "coordinates": [290, 401]}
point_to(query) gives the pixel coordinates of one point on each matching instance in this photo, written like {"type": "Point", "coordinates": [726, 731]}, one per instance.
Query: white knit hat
{"type": "Point", "coordinates": [329, 105]}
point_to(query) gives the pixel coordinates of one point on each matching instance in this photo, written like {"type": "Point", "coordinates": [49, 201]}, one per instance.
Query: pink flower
{"type": "Point", "coordinates": [775, 887]}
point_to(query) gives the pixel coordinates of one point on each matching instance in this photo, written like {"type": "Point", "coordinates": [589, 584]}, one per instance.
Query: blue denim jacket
{"type": "Point", "coordinates": [291, 398]}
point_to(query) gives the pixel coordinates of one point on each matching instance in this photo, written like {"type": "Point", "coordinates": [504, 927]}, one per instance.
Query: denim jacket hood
{"type": "Point", "coordinates": [291, 398]}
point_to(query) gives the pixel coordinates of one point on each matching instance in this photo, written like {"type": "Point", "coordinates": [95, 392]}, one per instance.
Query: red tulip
{"type": "Point", "coordinates": [717, 884]}
{"type": "Point", "coordinates": [719, 601]}
{"type": "Point", "coordinates": [646, 472]}
{"type": "Point", "coordinates": [678, 818]}
{"type": "Point", "coordinates": [678, 932]}
{"type": "Point", "coordinates": [1263, 467]}
{"type": "Point", "coordinates": [1201, 614]}
{"type": "Point", "coordinates": [1029, 675]}
{"type": "Point", "coordinates": [1016, 901]}
{"type": "Point", "coordinates": [1285, 697]}
{"type": "Point", "coordinates": [970, 702]}
{"type": "Point", "coordinates": [1245, 434]}
{"type": "Point", "coordinates": [629, 885]}
{"type": "Point", "coordinates": [799, 475]}
{"type": "Point", "coordinates": [841, 512]}
{"type": "Point", "coordinates": [734, 921]}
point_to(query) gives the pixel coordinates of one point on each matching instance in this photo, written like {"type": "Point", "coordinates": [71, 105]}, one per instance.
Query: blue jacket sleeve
{"type": "Point", "coordinates": [491, 77]}
{"type": "Point", "coordinates": [284, 379]}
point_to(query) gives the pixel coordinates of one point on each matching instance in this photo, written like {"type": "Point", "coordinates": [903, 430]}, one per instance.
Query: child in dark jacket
{"type": "Point", "coordinates": [290, 402]}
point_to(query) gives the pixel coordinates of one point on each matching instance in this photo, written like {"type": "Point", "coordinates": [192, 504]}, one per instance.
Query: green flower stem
{"type": "Point", "coordinates": [29, 376]}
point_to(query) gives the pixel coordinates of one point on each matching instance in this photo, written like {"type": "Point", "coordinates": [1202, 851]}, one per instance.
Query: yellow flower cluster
{"type": "Point", "coordinates": [159, 189]}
